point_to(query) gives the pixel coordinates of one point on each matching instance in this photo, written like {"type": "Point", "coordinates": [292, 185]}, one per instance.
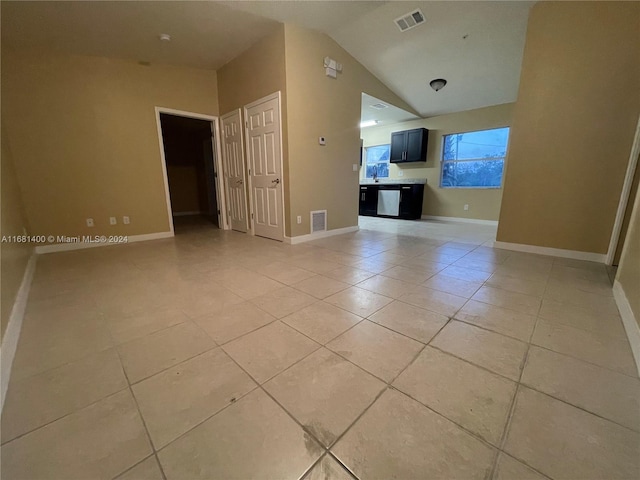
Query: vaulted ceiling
{"type": "Point", "coordinates": [476, 46]}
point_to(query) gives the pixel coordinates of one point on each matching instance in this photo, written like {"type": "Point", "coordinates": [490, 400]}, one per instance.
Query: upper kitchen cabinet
{"type": "Point", "coordinates": [409, 146]}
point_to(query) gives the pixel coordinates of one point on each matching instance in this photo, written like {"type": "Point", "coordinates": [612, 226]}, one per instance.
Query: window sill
{"type": "Point", "coordinates": [470, 188]}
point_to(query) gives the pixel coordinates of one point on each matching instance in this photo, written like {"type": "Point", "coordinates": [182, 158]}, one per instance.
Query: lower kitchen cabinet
{"type": "Point", "coordinates": [368, 200]}
{"type": "Point", "coordinates": [409, 198]}
{"type": "Point", "coordinates": [411, 201]}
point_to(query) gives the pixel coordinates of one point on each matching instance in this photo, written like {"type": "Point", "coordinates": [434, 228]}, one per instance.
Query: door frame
{"type": "Point", "coordinates": [624, 196]}
{"type": "Point", "coordinates": [217, 164]}
{"type": "Point", "coordinates": [273, 96]}
{"type": "Point", "coordinates": [244, 164]}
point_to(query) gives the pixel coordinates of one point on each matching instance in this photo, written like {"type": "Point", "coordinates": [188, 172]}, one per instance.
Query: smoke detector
{"type": "Point", "coordinates": [379, 106]}
{"type": "Point", "coordinates": [164, 37]}
{"type": "Point", "coordinates": [410, 20]}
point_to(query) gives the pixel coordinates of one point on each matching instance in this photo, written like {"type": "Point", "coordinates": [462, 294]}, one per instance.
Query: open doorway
{"type": "Point", "coordinates": [190, 165]}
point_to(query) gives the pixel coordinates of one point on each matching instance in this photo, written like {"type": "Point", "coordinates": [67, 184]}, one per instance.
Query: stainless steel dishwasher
{"type": "Point", "coordinates": [389, 202]}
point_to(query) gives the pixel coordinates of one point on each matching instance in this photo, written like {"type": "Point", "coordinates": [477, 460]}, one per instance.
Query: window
{"type": "Point", "coordinates": [377, 161]}
{"type": "Point", "coordinates": [474, 159]}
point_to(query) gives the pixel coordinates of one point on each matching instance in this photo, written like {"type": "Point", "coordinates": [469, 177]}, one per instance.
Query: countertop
{"type": "Point", "coordinates": [394, 181]}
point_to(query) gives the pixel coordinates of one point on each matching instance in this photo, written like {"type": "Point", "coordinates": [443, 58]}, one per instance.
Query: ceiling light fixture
{"type": "Point", "coordinates": [438, 83]}
{"type": "Point", "coordinates": [164, 37]}
{"type": "Point", "coordinates": [368, 123]}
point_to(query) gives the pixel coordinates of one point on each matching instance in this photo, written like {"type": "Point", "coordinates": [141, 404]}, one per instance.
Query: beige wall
{"type": "Point", "coordinates": [573, 125]}
{"type": "Point", "coordinates": [322, 177]}
{"type": "Point", "coordinates": [484, 203]}
{"type": "Point", "coordinates": [256, 73]}
{"type": "Point", "coordinates": [628, 274]}
{"type": "Point", "coordinates": [84, 138]}
{"type": "Point", "coordinates": [13, 256]}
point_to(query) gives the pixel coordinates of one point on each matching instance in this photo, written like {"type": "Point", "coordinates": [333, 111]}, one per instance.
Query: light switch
{"type": "Point", "coordinates": [355, 167]}
{"type": "Point", "coordinates": [322, 141]}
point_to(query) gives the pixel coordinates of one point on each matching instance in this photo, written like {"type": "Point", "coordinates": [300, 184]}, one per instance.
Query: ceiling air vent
{"type": "Point", "coordinates": [318, 221]}
{"type": "Point", "coordinates": [410, 20]}
{"type": "Point", "coordinates": [379, 106]}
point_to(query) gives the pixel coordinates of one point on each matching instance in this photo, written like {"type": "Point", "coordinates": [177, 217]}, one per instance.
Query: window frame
{"type": "Point", "coordinates": [388, 161]}
{"type": "Point", "coordinates": [493, 159]}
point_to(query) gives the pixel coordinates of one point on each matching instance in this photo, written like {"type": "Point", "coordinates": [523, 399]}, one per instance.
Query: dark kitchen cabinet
{"type": "Point", "coordinates": [411, 201]}
{"type": "Point", "coordinates": [409, 208]}
{"type": "Point", "coordinates": [368, 200]}
{"type": "Point", "coordinates": [409, 146]}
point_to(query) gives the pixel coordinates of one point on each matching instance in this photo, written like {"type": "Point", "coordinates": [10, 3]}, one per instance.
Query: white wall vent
{"type": "Point", "coordinates": [410, 20]}
{"type": "Point", "coordinates": [379, 106]}
{"type": "Point", "coordinates": [318, 221]}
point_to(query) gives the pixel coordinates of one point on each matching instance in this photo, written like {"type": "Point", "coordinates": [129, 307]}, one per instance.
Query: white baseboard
{"type": "Point", "coordinates": [185, 214]}
{"type": "Point", "coordinates": [629, 321]}
{"type": "Point", "coordinates": [552, 252]}
{"type": "Point", "coordinates": [12, 333]}
{"type": "Point", "coordinates": [460, 220]}
{"type": "Point", "coordinates": [66, 247]}
{"type": "Point", "coordinates": [317, 235]}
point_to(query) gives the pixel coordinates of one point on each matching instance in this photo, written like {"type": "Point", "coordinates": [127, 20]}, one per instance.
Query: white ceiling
{"type": "Point", "coordinates": [481, 70]}
{"type": "Point", "coordinates": [385, 116]}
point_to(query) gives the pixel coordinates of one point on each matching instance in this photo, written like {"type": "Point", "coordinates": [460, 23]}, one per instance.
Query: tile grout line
{"type": "Point", "coordinates": [502, 452]}
{"type": "Point", "coordinates": [190, 429]}
{"type": "Point", "coordinates": [260, 386]}
{"type": "Point", "coordinates": [63, 416]}
{"type": "Point", "coordinates": [470, 432]}
{"type": "Point", "coordinates": [313, 465]}
{"type": "Point", "coordinates": [542, 347]}
{"type": "Point", "coordinates": [388, 387]}
{"type": "Point", "coordinates": [461, 427]}
{"type": "Point", "coordinates": [174, 365]}
{"type": "Point", "coordinates": [512, 408]}
{"type": "Point", "coordinates": [487, 329]}
{"type": "Point", "coordinates": [138, 463]}
{"type": "Point", "coordinates": [481, 367]}
{"type": "Point", "coordinates": [144, 423]}
{"type": "Point", "coordinates": [287, 368]}
{"type": "Point", "coordinates": [344, 467]}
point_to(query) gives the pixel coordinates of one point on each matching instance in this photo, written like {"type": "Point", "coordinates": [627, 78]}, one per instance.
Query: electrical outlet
{"type": "Point", "coordinates": [466, 206]}
{"type": "Point", "coordinates": [89, 222]}
{"type": "Point", "coordinates": [112, 221]}
{"type": "Point", "coordinates": [400, 173]}
{"type": "Point", "coordinates": [299, 219]}
{"type": "Point", "coordinates": [126, 220]}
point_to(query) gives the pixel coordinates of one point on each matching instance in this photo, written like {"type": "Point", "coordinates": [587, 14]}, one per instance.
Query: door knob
{"type": "Point", "coordinates": [276, 181]}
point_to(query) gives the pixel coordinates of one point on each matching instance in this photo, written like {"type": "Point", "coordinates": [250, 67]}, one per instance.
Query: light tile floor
{"type": "Point", "coordinates": [406, 350]}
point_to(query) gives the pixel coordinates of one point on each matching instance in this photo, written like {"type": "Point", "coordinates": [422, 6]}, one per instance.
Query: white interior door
{"type": "Point", "coordinates": [265, 167]}
{"type": "Point", "coordinates": [234, 170]}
